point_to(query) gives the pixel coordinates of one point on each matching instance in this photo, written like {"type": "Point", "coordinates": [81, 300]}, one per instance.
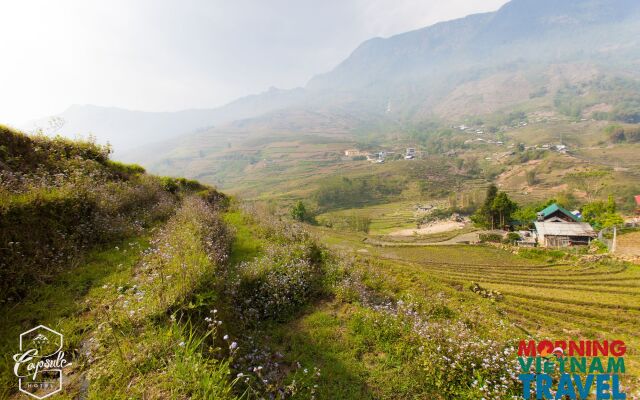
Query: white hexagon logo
{"type": "Point", "coordinates": [39, 363]}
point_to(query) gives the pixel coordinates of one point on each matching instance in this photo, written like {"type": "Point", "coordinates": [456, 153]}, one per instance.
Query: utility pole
{"type": "Point", "coordinates": [615, 235]}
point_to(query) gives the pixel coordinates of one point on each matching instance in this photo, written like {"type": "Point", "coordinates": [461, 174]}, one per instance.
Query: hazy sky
{"type": "Point", "coordinates": [164, 55]}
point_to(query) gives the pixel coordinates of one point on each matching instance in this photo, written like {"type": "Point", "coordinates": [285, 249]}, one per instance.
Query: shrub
{"type": "Point", "coordinates": [277, 284]}
{"type": "Point", "coordinates": [286, 276]}
{"type": "Point", "coordinates": [490, 237]}
{"type": "Point", "coordinates": [299, 212]}
{"type": "Point", "coordinates": [512, 237]}
{"type": "Point", "coordinates": [342, 192]}
{"type": "Point", "coordinates": [599, 247]}
{"type": "Point", "coordinates": [126, 170]}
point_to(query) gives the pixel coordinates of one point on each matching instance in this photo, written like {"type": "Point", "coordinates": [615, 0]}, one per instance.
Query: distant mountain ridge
{"type": "Point", "coordinates": [127, 129]}
{"type": "Point", "coordinates": [479, 64]}
{"type": "Point", "coordinates": [517, 32]}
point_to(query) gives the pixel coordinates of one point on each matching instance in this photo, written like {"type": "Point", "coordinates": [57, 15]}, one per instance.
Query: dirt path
{"type": "Point", "coordinates": [465, 238]}
{"type": "Point", "coordinates": [439, 227]}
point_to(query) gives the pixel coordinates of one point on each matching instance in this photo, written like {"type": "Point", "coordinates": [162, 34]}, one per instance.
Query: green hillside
{"type": "Point", "coordinates": [166, 288]}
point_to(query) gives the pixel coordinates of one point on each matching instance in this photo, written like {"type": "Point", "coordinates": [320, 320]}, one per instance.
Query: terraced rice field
{"type": "Point", "coordinates": [542, 298]}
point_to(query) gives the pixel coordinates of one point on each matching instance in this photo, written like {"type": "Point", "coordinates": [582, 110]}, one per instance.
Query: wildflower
{"type": "Point", "coordinates": [233, 346]}
{"type": "Point", "coordinates": [240, 375]}
{"type": "Point", "coordinates": [225, 337]}
{"type": "Point", "coordinates": [181, 344]}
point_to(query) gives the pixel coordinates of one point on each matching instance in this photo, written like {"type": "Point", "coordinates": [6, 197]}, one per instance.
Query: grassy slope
{"type": "Point", "coordinates": [577, 300]}
{"type": "Point", "coordinates": [63, 304]}
{"type": "Point", "coordinates": [111, 292]}
{"type": "Point", "coordinates": [355, 361]}
{"type": "Point", "coordinates": [118, 334]}
{"type": "Point", "coordinates": [358, 359]}
{"type": "Point", "coordinates": [358, 355]}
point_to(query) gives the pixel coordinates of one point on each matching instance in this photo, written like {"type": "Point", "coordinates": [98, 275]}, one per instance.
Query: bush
{"type": "Point", "coordinates": [284, 278]}
{"type": "Point", "coordinates": [187, 250]}
{"type": "Point", "coordinates": [512, 237]}
{"type": "Point", "coordinates": [490, 237]}
{"type": "Point", "coordinates": [277, 284]}
{"type": "Point", "coordinates": [174, 185]}
{"type": "Point", "coordinates": [299, 212]}
{"type": "Point", "coordinates": [126, 170]}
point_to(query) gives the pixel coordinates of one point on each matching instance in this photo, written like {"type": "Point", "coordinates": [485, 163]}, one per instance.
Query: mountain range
{"type": "Point", "coordinates": [522, 54]}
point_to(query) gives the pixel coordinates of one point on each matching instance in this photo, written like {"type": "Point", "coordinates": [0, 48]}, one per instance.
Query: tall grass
{"type": "Point", "coordinates": [59, 198]}
{"type": "Point", "coordinates": [151, 334]}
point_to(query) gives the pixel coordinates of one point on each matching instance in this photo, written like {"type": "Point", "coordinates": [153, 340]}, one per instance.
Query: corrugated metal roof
{"type": "Point", "coordinates": [564, 229]}
{"type": "Point", "coordinates": [555, 207]}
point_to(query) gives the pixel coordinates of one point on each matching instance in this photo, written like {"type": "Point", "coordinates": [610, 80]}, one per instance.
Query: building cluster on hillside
{"type": "Point", "coordinates": [464, 128]}
{"type": "Point", "coordinates": [355, 153]}
{"type": "Point", "coordinates": [487, 141]}
{"type": "Point", "coordinates": [560, 148]}
{"type": "Point", "coordinates": [380, 156]}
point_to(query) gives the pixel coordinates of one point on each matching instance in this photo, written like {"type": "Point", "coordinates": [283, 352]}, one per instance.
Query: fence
{"type": "Point", "coordinates": [609, 236]}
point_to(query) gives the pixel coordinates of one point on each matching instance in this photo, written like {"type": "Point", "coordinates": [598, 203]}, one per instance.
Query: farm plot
{"type": "Point", "coordinates": [560, 300]}
{"type": "Point", "coordinates": [544, 296]}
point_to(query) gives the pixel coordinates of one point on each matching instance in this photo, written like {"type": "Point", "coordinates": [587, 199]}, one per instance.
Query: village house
{"type": "Point", "coordinates": [355, 153]}
{"type": "Point", "coordinates": [410, 154]}
{"type": "Point", "coordinates": [556, 213]}
{"type": "Point", "coordinates": [558, 227]}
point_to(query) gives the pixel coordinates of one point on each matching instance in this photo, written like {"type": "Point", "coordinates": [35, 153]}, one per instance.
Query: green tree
{"type": "Point", "coordinates": [485, 215]}
{"type": "Point", "coordinates": [497, 210]}
{"type": "Point", "coordinates": [299, 212]}
{"type": "Point", "coordinates": [504, 208]}
{"type": "Point", "coordinates": [611, 205]}
{"type": "Point", "coordinates": [602, 214]}
{"type": "Point", "coordinates": [531, 177]}
{"type": "Point", "coordinates": [526, 215]}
